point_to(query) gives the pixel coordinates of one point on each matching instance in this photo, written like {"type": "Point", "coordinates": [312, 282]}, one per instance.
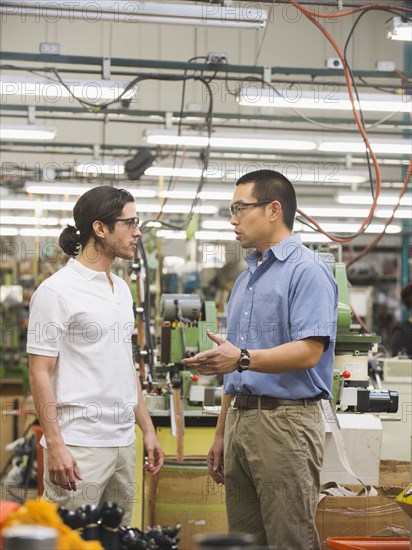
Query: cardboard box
{"type": "Point", "coordinates": [184, 493]}
{"type": "Point", "coordinates": [362, 516]}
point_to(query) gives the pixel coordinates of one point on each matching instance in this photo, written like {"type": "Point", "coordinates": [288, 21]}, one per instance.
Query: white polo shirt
{"type": "Point", "coordinates": [75, 316]}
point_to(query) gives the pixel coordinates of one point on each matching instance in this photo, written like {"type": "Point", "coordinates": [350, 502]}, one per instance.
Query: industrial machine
{"type": "Point", "coordinates": [352, 389]}
{"type": "Point", "coordinates": [180, 393]}
{"type": "Point", "coordinates": [183, 333]}
{"type": "Point", "coordinates": [184, 326]}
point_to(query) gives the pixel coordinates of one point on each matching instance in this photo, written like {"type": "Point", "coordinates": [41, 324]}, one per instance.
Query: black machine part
{"type": "Point", "coordinates": [376, 401]}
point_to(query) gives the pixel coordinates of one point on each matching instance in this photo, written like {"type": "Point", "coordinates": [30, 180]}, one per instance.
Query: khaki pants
{"type": "Point", "coordinates": [108, 475]}
{"type": "Point", "coordinates": [272, 461]}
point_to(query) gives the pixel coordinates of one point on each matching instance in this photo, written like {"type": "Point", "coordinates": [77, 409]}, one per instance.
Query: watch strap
{"type": "Point", "coordinates": [244, 354]}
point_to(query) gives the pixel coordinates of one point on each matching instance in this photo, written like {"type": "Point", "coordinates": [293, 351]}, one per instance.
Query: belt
{"type": "Point", "coordinates": [267, 403]}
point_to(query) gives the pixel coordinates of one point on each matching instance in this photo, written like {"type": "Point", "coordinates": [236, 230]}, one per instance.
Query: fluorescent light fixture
{"type": "Point", "coordinates": [27, 131]}
{"type": "Point", "coordinates": [379, 146]}
{"type": "Point", "coordinates": [324, 173]}
{"type": "Point", "coordinates": [331, 212]}
{"type": "Point", "coordinates": [218, 236]}
{"type": "Point", "coordinates": [11, 204]}
{"type": "Point", "coordinates": [231, 140]}
{"type": "Point", "coordinates": [168, 234]}
{"type": "Point", "coordinates": [175, 209]}
{"type": "Point", "coordinates": [191, 194]}
{"type": "Point", "coordinates": [217, 224]}
{"type": "Point", "coordinates": [8, 231]}
{"type": "Point", "coordinates": [296, 98]}
{"type": "Point", "coordinates": [28, 220]}
{"type": "Point", "coordinates": [199, 235]}
{"type": "Point", "coordinates": [400, 30]}
{"type": "Point", "coordinates": [399, 214]}
{"type": "Point", "coordinates": [49, 89]}
{"type": "Point", "coordinates": [215, 236]}
{"type": "Point", "coordinates": [321, 173]}
{"type": "Point", "coordinates": [268, 141]}
{"type": "Point", "coordinates": [170, 137]}
{"type": "Point", "coordinates": [97, 167]}
{"type": "Point", "coordinates": [365, 198]}
{"type": "Point", "coordinates": [77, 190]}
{"type": "Point", "coordinates": [185, 209]}
{"type": "Point", "coordinates": [56, 189]}
{"type": "Point", "coordinates": [14, 204]}
{"type": "Point", "coordinates": [329, 227]}
{"type": "Point", "coordinates": [216, 195]}
{"type": "Point", "coordinates": [39, 232]}
{"type": "Point", "coordinates": [314, 238]}
{"type": "Point", "coordinates": [142, 12]}
{"type": "Point", "coordinates": [353, 228]}
{"type": "Point", "coordinates": [181, 172]}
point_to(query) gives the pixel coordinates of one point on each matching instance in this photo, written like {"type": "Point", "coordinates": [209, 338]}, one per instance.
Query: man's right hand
{"type": "Point", "coordinates": [63, 469]}
{"type": "Point", "coordinates": [215, 460]}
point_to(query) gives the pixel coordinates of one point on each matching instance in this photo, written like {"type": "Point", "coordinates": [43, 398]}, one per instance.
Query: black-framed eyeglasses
{"type": "Point", "coordinates": [236, 208]}
{"type": "Point", "coordinates": [132, 223]}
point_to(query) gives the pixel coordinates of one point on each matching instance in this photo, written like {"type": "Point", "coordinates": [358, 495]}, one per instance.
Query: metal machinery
{"type": "Point", "coordinates": [184, 326]}
{"type": "Point", "coordinates": [397, 430]}
{"type": "Point", "coordinates": [352, 389]}
{"type": "Point", "coordinates": [180, 394]}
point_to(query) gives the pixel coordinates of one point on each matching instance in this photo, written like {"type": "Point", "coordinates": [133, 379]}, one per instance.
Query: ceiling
{"type": "Point", "coordinates": [188, 80]}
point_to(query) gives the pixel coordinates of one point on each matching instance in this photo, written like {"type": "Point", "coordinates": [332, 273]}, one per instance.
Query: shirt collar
{"type": "Point", "coordinates": [281, 251]}
{"type": "Point", "coordinates": [86, 272]}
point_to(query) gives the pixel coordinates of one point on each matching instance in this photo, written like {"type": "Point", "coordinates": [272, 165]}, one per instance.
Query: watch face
{"type": "Point", "coordinates": [244, 361]}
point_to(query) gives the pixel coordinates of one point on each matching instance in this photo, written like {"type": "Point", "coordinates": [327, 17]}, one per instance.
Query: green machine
{"type": "Point", "coordinates": [184, 327]}
{"type": "Point", "coordinates": [352, 390]}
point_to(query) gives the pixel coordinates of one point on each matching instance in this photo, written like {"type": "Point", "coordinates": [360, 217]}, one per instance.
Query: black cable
{"type": "Point", "coordinates": [176, 149]}
{"type": "Point", "coordinates": [172, 180]}
{"type": "Point", "coordinates": [345, 49]}
{"type": "Point", "coordinates": [308, 224]}
{"type": "Point", "coordinates": [146, 308]}
{"type": "Point", "coordinates": [205, 160]}
{"type": "Point", "coordinates": [313, 228]}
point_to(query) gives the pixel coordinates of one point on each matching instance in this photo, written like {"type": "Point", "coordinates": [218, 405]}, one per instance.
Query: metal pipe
{"type": "Point", "coordinates": [187, 66]}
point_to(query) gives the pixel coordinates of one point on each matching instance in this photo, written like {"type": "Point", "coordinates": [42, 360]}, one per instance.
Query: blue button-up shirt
{"type": "Point", "coordinates": [292, 295]}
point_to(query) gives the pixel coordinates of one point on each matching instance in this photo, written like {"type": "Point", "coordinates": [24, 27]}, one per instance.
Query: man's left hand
{"type": "Point", "coordinates": [222, 359]}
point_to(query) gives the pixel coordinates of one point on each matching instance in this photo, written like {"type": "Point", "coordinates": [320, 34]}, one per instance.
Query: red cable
{"type": "Point", "coordinates": [367, 7]}
{"type": "Point", "coordinates": [359, 124]}
{"type": "Point", "coordinates": [388, 221]}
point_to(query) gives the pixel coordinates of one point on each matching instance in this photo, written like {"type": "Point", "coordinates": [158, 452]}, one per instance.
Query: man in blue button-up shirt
{"type": "Point", "coordinates": [278, 362]}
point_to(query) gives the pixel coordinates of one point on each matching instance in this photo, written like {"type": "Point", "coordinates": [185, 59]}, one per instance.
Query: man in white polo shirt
{"type": "Point", "coordinates": [82, 375]}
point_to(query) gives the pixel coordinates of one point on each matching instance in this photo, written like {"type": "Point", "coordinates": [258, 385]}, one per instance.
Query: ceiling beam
{"type": "Point", "coordinates": [188, 66]}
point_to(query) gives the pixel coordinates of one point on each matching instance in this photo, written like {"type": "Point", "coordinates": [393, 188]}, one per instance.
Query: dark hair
{"type": "Point", "coordinates": [406, 295]}
{"type": "Point", "coordinates": [100, 203]}
{"type": "Point", "coordinates": [273, 186]}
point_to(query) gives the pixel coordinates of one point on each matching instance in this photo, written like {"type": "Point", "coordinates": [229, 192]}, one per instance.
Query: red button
{"type": "Point", "coordinates": [346, 374]}
{"type": "Point", "coordinates": [195, 377]}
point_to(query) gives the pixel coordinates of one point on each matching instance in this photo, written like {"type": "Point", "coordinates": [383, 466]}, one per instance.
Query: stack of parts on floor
{"type": "Point", "coordinates": [91, 527]}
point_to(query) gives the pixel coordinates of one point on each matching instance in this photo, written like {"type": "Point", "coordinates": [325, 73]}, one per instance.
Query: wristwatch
{"type": "Point", "coordinates": [244, 361]}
